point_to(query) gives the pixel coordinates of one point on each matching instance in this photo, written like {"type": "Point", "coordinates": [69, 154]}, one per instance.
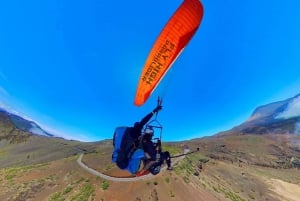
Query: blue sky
{"type": "Point", "coordinates": [73, 66]}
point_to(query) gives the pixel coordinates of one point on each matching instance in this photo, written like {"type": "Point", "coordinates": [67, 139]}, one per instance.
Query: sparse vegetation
{"type": "Point", "coordinates": [86, 193]}
{"type": "Point", "coordinates": [2, 153]}
{"type": "Point", "coordinates": [27, 190]}
{"type": "Point", "coordinates": [51, 177]}
{"type": "Point", "coordinates": [11, 173]}
{"type": "Point", "coordinates": [79, 180]}
{"type": "Point", "coordinates": [109, 166]}
{"type": "Point", "coordinates": [184, 167]}
{"type": "Point", "coordinates": [187, 167]}
{"type": "Point", "coordinates": [105, 185]}
{"type": "Point", "coordinates": [251, 196]}
{"type": "Point", "coordinates": [173, 150]}
{"type": "Point", "coordinates": [227, 193]}
{"type": "Point", "coordinates": [203, 160]}
{"type": "Point", "coordinates": [56, 197]}
{"type": "Point", "coordinates": [215, 189]}
{"type": "Point", "coordinates": [232, 196]}
{"type": "Point", "coordinates": [186, 179]}
{"type": "Point", "coordinates": [67, 190]}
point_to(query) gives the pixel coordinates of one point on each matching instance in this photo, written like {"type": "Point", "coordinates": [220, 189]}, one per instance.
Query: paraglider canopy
{"type": "Point", "coordinates": [174, 37]}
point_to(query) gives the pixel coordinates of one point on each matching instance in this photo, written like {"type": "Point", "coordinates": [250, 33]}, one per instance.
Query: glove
{"type": "Point", "coordinates": [157, 109]}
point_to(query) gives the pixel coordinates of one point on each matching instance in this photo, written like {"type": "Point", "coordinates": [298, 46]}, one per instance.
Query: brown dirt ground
{"type": "Point", "coordinates": [41, 182]}
{"type": "Point", "coordinates": [284, 190]}
{"type": "Point", "coordinates": [218, 180]}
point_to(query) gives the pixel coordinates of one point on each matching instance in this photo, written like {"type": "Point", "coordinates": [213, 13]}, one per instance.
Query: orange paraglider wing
{"type": "Point", "coordinates": [174, 37]}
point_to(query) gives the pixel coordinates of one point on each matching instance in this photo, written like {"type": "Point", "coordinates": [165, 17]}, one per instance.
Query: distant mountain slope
{"type": "Point", "coordinates": [19, 145]}
{"type": "Point", "coordinates": [24, 124]}
{"type": "Point", "coordinates": [286, 109]}
{"type": "Point", "coordinates": [281, 117]}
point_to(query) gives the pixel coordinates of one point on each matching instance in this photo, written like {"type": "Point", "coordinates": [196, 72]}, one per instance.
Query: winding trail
{"type": "Point", "coordinates": [117, 179]}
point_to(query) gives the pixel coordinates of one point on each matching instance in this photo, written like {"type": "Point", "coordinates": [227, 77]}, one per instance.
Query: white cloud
{"type": "Point", "coordinates": [292, 110]}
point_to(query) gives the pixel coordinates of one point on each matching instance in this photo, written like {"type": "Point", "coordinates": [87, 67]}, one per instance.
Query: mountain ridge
{"type": "Point", "coordinates": [273, 118]}
{"type": "Point", "coordinates": [25, 124]}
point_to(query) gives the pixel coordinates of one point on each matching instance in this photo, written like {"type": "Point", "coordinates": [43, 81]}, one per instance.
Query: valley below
{"type": "Point", "coordinates": [226, 168]}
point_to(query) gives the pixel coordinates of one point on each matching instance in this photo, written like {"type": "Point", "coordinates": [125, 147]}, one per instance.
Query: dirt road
{"type": "Point", "coordinates": [110, 178]}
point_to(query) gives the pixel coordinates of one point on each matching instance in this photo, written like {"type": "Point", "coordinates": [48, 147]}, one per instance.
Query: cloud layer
{"type": "Point", "coordinates": [292, 110]}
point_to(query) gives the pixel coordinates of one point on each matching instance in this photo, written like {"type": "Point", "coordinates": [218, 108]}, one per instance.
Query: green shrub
{"type": "Point", "coordinates": [105, 185]}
